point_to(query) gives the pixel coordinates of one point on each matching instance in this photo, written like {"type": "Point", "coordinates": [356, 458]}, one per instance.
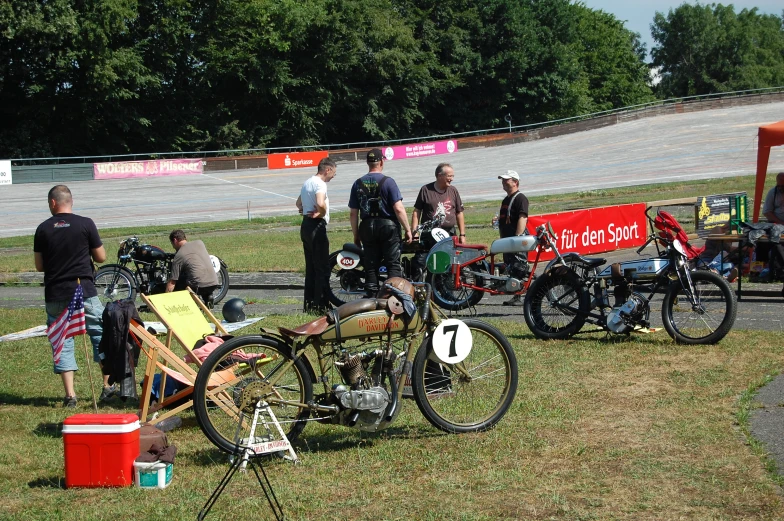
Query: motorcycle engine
{"type": "Point", "coordinates": [634, 311]}
{"type": "Point", "coordinates": [362, 408]}
{"type": "Point", "coordinates": [512, 285]}
{"type": "Point", "coordinates": [517, 269]}
{"type": "Point", "coordinates": [516, 272]}
{"type": "Point", "coordinates": [362, 404]}
{"type": "Point", "coordinates": [158, 278]}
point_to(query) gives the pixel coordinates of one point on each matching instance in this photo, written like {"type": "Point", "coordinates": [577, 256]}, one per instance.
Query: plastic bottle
{"type": "Point", "coordinates": [495, 222]}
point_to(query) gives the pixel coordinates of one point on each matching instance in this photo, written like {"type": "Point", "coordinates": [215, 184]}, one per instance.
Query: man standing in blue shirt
{"type": "Point", "coordinates": [376, 199]}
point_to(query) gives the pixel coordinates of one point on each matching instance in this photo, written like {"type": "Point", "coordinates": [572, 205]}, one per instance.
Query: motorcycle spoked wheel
{"type": "Point", "coordinates": [552, 302]}
{"type": "Point", "coordinates": [448, 297]}
{"type": "Point", "coordinates": [345, 285]}
{"type": "Point", "coordinates": [114, 282]}
{"type": "Point", "coordinates": [470, 396]}
{"type": "Point", "coordinates": [223, 285]}
{"type": "Point", "coordinates": [711, 321]}
{"type": "Point", "coordinates": [236, 373]}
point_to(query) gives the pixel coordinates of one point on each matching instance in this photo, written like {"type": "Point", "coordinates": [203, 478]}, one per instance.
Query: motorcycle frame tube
{"type": "Point", "coordinates": [651, 288]}
{"type": "Point", "coordinates": [458, 268]}
{"type": "Point", "coordinates": [300, 351]}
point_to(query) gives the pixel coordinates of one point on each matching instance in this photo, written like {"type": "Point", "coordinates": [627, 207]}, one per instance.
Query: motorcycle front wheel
{"type": "Point", "coordinates": [556, 304]}
{"type": "Point", "coordinates": [706, 322]}
{"type": "Point", "coordinates": [472, 395]}
{"type": "Point", "coordinates": [239, 374]}
{"type": "Point", "coordinates": [114, 282]}
{"type": "Point", "coordinates": [345, 285]}
{"type": "Point", "coordinates": [223, 285]}
{"type": "Point", "coordinates": [454, 299]}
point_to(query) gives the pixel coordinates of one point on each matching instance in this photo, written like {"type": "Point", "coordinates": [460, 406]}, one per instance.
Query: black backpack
{"type": "Point", "coordinates": [370, 197]}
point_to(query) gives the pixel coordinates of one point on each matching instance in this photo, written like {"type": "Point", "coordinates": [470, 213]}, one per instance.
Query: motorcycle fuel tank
{"type": "Point", "coordinates": [638, 269]}
{"type": "Point", "coordinates": [515, 244]}
{"type": "Point", "coordinates": [370, 323]}
{"type": "Point", "coordinates": [149, 253]}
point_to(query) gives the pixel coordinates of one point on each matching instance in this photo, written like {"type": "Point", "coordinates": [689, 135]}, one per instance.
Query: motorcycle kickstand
{"type": "Point", "coordinates": [240, 459]}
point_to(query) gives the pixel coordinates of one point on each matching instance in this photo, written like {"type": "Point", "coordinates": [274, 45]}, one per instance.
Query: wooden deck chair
{"type": "Point", "coordinates": [183, 313]}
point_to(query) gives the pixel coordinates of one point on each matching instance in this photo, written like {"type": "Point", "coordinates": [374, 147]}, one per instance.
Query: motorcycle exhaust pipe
{"type": "Point", "coordinates": [352, 420]}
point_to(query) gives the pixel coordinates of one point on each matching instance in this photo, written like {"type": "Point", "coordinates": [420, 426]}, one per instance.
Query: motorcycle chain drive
{"type": "Point", "coordinates": [252, 394]}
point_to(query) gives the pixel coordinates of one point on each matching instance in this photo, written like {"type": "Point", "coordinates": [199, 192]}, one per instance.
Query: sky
{"type": "Point", "coordinates": [638, 14]}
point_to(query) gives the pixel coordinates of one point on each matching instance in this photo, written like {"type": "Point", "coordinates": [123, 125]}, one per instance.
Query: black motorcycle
{"type": "Point", "coordinates": [347, 268]}
{"type": "Point", "coordinates": [144, 268]}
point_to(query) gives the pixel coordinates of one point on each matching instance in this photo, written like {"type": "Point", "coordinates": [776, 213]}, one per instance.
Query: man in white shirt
{"type": "Point", "coordinates": [313, 204]}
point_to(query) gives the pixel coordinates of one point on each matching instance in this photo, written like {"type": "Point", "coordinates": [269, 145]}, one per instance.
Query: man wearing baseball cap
{"type": "Point", "coordinates": [377, 201]}
{"type": "Point", "coordinates": [512, 219]}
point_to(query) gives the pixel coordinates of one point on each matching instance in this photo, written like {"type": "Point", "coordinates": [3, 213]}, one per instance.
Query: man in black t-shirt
{"type": "Point", "coordinates": [65, 247]}
{"type": "Point", "coordinates": [512, 218]}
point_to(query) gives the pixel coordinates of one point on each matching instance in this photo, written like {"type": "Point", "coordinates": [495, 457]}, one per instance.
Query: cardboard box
{"type": "Point", "coordinates": [100, 449]}
{"type": "Point", "coordinates": [152, 475]}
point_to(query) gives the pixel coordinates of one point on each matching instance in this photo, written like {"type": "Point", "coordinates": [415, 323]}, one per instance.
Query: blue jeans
{"type": "Point", "coordinates": [93, 311]}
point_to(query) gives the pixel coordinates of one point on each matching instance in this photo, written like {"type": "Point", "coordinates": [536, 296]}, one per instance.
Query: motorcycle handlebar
{"type": "Point", "coordinates": [639, 250]}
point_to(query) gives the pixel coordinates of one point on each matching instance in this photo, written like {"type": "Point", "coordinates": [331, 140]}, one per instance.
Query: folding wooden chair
{"type": "Point", "coordinates": [183, 313]}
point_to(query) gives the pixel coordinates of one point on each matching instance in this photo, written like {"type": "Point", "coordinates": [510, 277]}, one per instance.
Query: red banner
{"type": "Point", "coordinates": [295, 159]}
{"type": "Point", "coordinates": [596, 230]}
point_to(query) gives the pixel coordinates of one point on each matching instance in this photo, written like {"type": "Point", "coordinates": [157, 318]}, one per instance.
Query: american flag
{"type": "Point", "coordinates": [69, 324]}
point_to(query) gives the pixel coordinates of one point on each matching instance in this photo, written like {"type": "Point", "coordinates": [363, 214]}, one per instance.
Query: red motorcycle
{"type": "Point", "coordinates": [461, 274]}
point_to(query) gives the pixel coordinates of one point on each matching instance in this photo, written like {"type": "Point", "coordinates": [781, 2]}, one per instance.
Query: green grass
{"type": "Point", "coordinates": [637, 429]}
{"type": "Point", "coordinates": [273, 244]}
{"type": "Point", "coordinates": [629, 429]}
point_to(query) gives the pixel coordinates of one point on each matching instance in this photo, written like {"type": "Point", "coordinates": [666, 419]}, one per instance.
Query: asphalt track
{"type": "Point", "coordinates": [699, 145]}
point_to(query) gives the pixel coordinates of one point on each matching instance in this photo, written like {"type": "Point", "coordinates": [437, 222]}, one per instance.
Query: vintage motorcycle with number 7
{"type": "Point", "coordinates": [698, 306]}
{"type": "Point", "coordinates": [355, 367]}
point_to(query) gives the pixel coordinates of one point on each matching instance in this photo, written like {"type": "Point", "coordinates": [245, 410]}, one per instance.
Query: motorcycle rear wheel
{"type": "Point", "coordinates": [453, 299]}
{"type": "Point", "coordinates": [240, 369]}
{"type": "Point", "coordinates": [470, 396]}
{"type": "Point", "coordinates": [556, 304]}
{"type": "Point", "coordinates": [711, 321]}
{"type": "Point", "coordinates": [114, 282]}
{"type": "Point", "coordinates": [345, 285]}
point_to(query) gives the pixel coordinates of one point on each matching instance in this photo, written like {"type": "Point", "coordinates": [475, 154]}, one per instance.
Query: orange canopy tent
{"type": "Point", "coordinates": [769, 136]}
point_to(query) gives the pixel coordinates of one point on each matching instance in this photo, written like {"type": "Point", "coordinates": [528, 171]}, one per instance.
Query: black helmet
{"type": "Point", "coordinates": [232, 310]}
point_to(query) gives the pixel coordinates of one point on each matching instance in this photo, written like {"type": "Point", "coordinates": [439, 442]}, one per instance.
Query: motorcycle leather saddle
{"type": "Point", "coordinates": [353, 248]}
{"type": "Point", "coordinates": [320, 325]}
{"type": "Point", "coordinates": [587, 262]}
{"type": "Point", "coordinates": [316, 327]}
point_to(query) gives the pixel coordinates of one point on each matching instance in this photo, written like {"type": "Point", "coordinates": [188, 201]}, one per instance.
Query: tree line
{"type": "Point", "coordinates": [101, 77]}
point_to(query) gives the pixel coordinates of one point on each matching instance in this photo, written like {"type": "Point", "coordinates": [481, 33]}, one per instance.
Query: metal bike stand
{"type": "Point", "coordinates": [251, 455]}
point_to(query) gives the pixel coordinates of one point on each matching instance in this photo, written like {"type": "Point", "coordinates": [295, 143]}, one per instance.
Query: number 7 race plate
{"type": "Point", "coordinates": [452, 341]}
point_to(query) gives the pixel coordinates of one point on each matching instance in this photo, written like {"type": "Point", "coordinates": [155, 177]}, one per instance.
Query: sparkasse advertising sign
{"type": "Point", "coordinates": [295, 160]}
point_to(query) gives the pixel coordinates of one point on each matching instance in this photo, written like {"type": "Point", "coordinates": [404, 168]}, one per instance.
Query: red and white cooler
{"type": "Point", "coordinates": [100, 449]}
